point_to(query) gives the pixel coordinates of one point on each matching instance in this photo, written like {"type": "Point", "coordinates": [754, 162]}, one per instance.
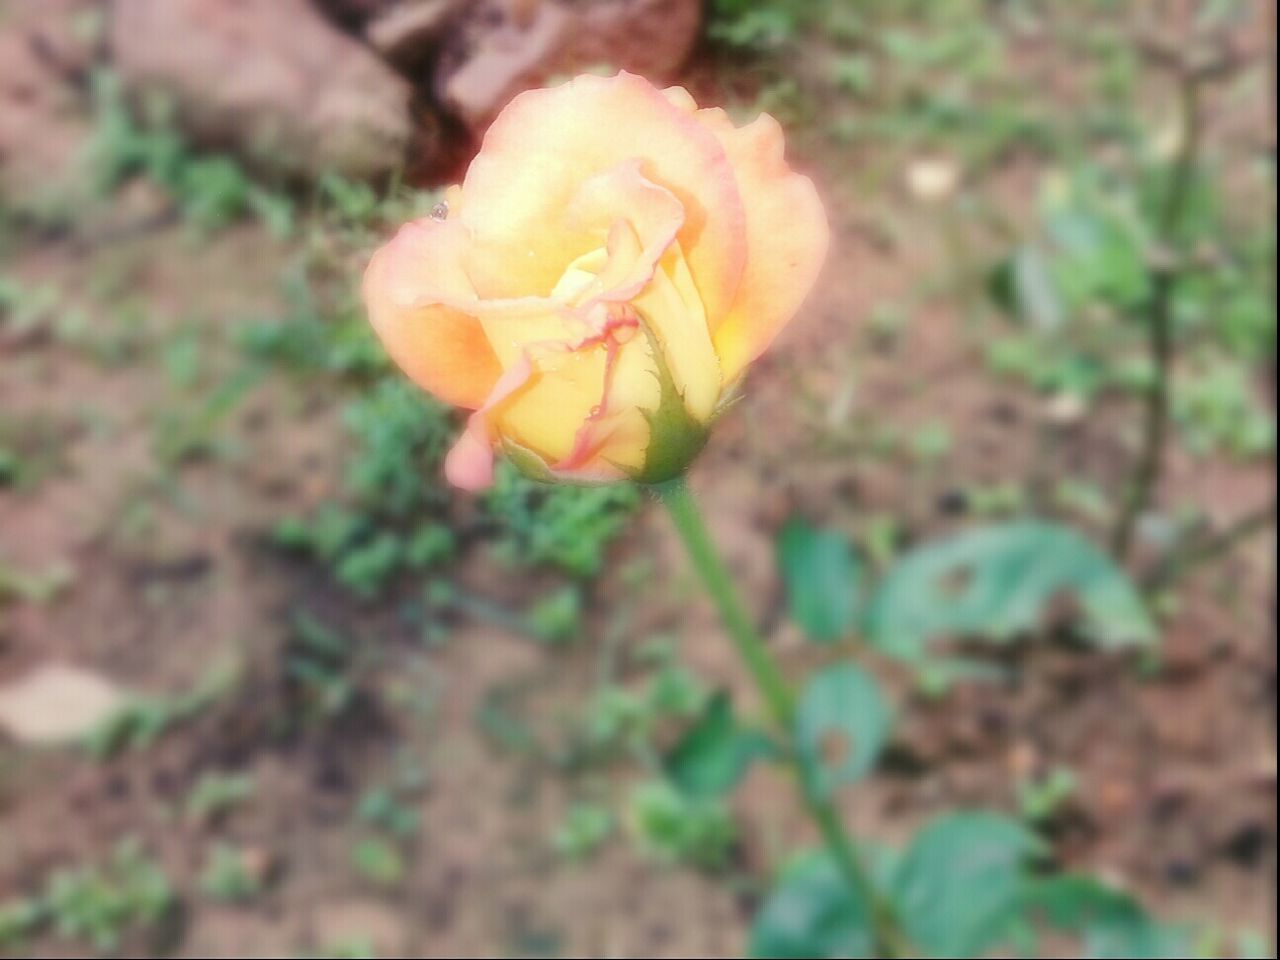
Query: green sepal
{"type": "Point", "coordinates": [527, 462]}
{"type": "Point", "coordinates": [533, 467]}
{"type": "Point", "coordinates": [676, 437]}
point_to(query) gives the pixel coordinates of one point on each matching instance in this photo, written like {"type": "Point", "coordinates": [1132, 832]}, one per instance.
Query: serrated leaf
{"type": "Point", "coordinates": [821, 574]}
{"type": "Point", "coordinates": [841, 708]}
{"type": "Point", "coordinates": [995, 582]}
{"type": "Point", "coordinates": [715, 753]}
{"type": "Point", "coordinates": [812, 913]}
{"type": "Point", "coordinates": [958, 887]}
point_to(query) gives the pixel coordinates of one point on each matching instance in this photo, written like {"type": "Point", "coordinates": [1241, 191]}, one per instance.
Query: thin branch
{"type": "Point", "coordinates": [1149, 468]}
{"type": "Point", "coordinates": [1212, 545]}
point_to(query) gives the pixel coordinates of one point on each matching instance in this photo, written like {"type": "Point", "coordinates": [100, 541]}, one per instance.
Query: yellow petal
{"type": "Point", "coordinates": [547, 143]}
{"type": "Point", "coordinates": [671, 306]}
{"type": "Point", "coordinates": [786, 230]}
{"type": "Point", "coordinates": [442, 349]}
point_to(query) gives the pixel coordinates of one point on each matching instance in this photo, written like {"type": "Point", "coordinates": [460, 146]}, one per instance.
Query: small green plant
{"type": "Point", "coordinates": [145, 720]}
{"type": "Point", "coordinates": [384, 808]}
{"type": "Point", "coordinates": [229, 876]}
{"type": "Point", "coordinates": [1041, 800]}
{"type": "Point", "coordinates": [379, 862]}
{"type": "Point", "coordinates": [678, 829]}
{"type": "Point", "coordinates": [210, 191]}
{"type": "Point", "coordinates": [758, 27]}
{"type": "Point", "coordinates": [386, 528]}
{"type": "Point", "coordinates": [216, 794]}
{"type": "Point", "coordinates": [566, 527]}
{"type": "Point", "coordinates": [322, 331]}
{"type": "Point", "coordinates": [585, 828]}
{"type": "Point", "coordinates": [317, 662]}
{"type": "Point", "coordinates": [556, 619]}
{"type": "Point", "coordinates": [96, 905]}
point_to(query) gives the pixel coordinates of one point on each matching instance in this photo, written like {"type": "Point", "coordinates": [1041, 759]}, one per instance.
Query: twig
{"type": "Point", "coordinates": [1212, 545]}
{"type": "Point", "coordinates": [1166, 272]}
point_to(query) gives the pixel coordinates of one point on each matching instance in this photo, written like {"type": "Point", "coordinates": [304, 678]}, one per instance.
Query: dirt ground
{"type": "Point", "coordinates": [171, 579]}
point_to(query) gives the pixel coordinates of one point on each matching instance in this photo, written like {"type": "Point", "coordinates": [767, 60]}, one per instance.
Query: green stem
{"type": "Point", "coordinates": [675, 494]}
{"type": "Point", "coordinates": [1147, 473]}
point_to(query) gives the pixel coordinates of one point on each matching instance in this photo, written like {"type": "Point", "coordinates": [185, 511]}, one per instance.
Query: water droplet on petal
{"type": "Point", "coordinates": [440, 211]}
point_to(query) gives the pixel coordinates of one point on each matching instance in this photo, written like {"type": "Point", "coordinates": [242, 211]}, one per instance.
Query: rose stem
{"type": "Point", "coordinates": [682, 506]}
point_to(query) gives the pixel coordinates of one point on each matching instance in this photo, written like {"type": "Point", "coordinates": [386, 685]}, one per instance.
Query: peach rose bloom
{"type": "Point", "coordinates": [612, 262]}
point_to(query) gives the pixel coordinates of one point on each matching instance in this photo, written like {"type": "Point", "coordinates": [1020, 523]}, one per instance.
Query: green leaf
{"type": "Point", "coordinates": [842, 709]}
{"type": "Point", "coordinates": [812, 912]}
{"type": "Point", "coordinates": [1112, 924]}
{"type": "Point", "coordinates": [379, 862]}
{"type": "Point", "coordinates": [715, 753]}
{"type": "Point", "coordinates": [958, 886]}
{"type": "Point", "coordinates": [822, 577]}
{"type": "Point", "coordinates": [995, 582]}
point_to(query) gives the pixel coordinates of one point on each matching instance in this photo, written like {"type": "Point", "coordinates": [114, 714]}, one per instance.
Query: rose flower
{"type": "Point", "coordinates": [612, 262]}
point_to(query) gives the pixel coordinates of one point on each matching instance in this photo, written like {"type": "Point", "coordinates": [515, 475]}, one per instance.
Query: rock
{"type": "Point", "coordinates": [506, 47]}
{"type": "Point", "coordinates": [504, 58]}
{"type": "Point", "coordinates": [274, 81]}
{"type": "Point", "coordinates": [353, 14]}
{"type": "Point", "coordinates": [57, 703]}
{"type": "Point", "coordinates": [46, 53]}
{"type": "Point", "coordinates": [932, 179]}
{"type": "Point", "coordinates": [408, 35]}
{"type": "Point", "coordinates": [650, 37]}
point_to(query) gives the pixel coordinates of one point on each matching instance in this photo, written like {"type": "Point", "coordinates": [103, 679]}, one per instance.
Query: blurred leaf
{"type": "Point", "coordinates": [1040, 800]}
{"type": "Point", "coordinates": [1112, 924]}
{"type": "Point", "coordinates": [843, 710]}
{"type": "Point", "coordinates": [958, 886]}
{"type": "Point", "coordinates": [1039, 302]}
{"type": "Point", "coordinates": [995, 582]}
{"type": "Point", "coordinates": [1023, 285]}
{"type": "Point", "coordinates": [674, 828]}
{"type": "Point", "coordinates": [584, 829]}
{"type": "Point", "coordinates": [811, 912]}
{"type": "Point", "coordinates": [822, 578]}
{"type": "Point", "coordinates": [853, 72]}
{"type": "Point", "coordinates": [750, 25]}
{"type": "Point", "coordinates": [557, 618]}
{"type": "Point", "coordinates": [1095, 241]}
{"type": "Point", "coordinates": [715, 753]}
{"type": "Point", "coordinates": [379, 862]}
{"type": "Point", "coordinates": [1252, 945]}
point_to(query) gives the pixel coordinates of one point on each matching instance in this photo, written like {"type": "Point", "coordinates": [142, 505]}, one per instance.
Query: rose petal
{"type": "Point", "coordinates": [673, 310]}
{"type": "Point", "coordinates": [442, 349]}
{"type": "Point", "coordinates": [623, 197]}
{"type": "Point", "coordinates": [469, 463]}
{"type": "Point", "coordinates": [547, 143]}
{"type": "Point", "coordinates": [786, 230]}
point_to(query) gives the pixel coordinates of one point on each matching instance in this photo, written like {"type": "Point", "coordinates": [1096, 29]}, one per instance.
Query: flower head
{"type": "Point", "coordinates": [612, 262]}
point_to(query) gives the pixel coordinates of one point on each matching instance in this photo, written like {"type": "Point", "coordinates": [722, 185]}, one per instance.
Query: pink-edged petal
{"type": "Point", "coordinates": [619, 206]}
{"type": "Point", "coordinates": [443, 349]}
{"type": "Point", "coordinates": [547, 143]}
{"type": "Point", "coordinates": [787, 236]}
{"type": "Point", "coordinates": [469, 463]}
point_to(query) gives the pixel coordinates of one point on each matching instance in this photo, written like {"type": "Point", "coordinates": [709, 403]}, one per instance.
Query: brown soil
{"type": "Point", "coordinates": [173, 580]}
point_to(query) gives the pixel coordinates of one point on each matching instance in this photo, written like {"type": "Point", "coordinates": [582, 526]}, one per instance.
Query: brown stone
{"type": "Point", "coordinates": [46, 53]}
{"type": "Point", "coordinates": [409, 34]}
{"type": "Point", "coordinates": [503, 48]}
{"type": "Point", "coordinates": [274, 81]}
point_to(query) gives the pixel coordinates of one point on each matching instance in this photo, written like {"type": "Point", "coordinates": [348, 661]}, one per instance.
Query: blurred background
{"type": "Point", "coordinates": [268, 688]}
